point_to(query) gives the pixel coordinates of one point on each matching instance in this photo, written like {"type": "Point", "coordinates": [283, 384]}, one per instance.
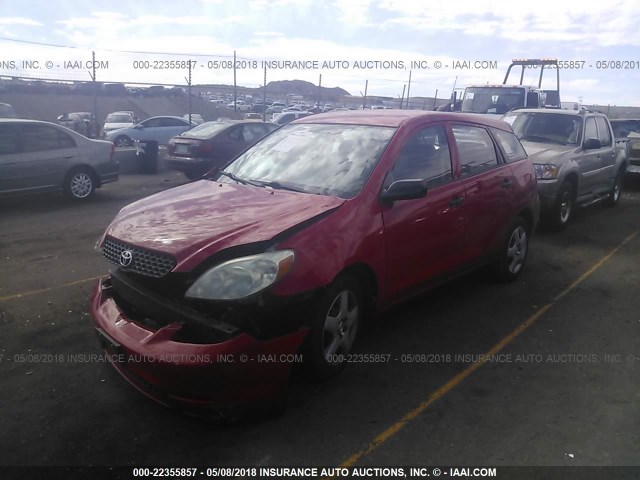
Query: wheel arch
{"type": "Point", "coordinates": [84, 166]}
{"type": "Point", "coordinates": [366, 277]}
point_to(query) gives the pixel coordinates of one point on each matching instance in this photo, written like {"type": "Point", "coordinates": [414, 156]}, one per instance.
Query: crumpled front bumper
{"type": "Point", "coordinates": [201, 378]}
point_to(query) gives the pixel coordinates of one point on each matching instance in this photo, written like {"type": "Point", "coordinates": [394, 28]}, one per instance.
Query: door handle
{"type": "Point", "coordinates": [507, 183]}
{"type": "Point", "coordinates": [67, 157]}
{"type": "Point", "coordinates": [456, 201]}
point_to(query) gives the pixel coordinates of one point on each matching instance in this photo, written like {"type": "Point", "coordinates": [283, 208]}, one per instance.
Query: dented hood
{"type": "Point", "coordinates": [196, 220]}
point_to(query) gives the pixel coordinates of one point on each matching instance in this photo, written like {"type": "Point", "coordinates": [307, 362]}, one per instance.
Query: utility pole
{"type": "Point", "coordinates": [435, 99]}
{"type": "Point", "coordinates": [364, 102]}
{"type": "Point", "coordinates": [235, 86]}
{"type": "Point", "coordinates": [319, 90]}
{"type": "Point", "coordinates": [402, 99]}
{"type": "Point", "coordinates": [188, 79]}
{"type": "Point", "coordinates": [408, 90]}
{"type": "Point", "coordinates": [264, 95]}
{"type": "Point", "coordinates": [94, 124]}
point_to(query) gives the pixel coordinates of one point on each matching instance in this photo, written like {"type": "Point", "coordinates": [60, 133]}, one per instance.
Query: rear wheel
{"type": "Point", "coordinates": [336, 322]}
{"type": "Point", "coordinates": [80, 184]}
{"type": "Point", "coordinates": [513, 254]}
{"type": "Point", "coordinates": [616, 191]}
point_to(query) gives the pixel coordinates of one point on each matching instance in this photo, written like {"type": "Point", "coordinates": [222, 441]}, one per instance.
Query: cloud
{"type": "Point", "coordinates": [19, 21]}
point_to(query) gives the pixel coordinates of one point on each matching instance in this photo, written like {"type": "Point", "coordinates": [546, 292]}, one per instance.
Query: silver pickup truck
{"type": "Point", "coordinates": [575, 157]}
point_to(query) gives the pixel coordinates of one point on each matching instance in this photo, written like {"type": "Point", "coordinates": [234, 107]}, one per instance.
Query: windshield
{"type": "Point", "coordinates": [206, 130]}
{"type": "Point", "coordinates": [546, 127]}
{"type": "Point", "coordinates": [622, 128]}
{"type": "Point", "coordinates": [492, 100]}
{"type": "Point", "coordinates": [334, 160]}
{"type": "Point", "coordinates": [119, 119]}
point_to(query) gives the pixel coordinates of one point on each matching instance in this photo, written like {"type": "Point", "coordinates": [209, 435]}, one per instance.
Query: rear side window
{"type": "Point", "coordinates": [8, 139]}
{"type": "Point", "coordinates": [38, 138]}
{"type": "Point", "coordinates": [510, 145]}
{"type": "Point", "coordinates": [604, 135]}
{"type": "Point", "coordinates": [476, 151]}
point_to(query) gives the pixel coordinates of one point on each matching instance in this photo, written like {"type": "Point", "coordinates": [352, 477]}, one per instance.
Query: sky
{"type": "Point", "coordinates": [358, 36]}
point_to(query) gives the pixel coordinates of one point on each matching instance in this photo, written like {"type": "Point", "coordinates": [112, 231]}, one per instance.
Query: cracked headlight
{"type": "Point", "coordinates": [546, 171]}
{"type": "Point", "coordinates": [242, 277]}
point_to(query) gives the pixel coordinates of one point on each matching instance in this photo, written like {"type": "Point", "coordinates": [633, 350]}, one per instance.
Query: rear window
{"type": "Point", "coordinates": [206, 130]}
{"type": "Point", "coordinates": [510, 145]}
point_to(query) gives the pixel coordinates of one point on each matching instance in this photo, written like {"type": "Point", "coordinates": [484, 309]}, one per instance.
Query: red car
{"type": "Point", "coordinates": [223, 284]}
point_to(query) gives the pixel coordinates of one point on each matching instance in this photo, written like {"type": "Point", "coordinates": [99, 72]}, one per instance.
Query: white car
{"type": "Point", "coordinates": [240, 105]}
{"type": "Point", "coordinates": [286, 117]}
{"type": "Point", "coordinates": [117, 120]}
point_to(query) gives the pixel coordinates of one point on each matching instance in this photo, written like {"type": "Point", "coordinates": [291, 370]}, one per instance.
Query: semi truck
{"type": "Point", "coordinates": [499, 99]}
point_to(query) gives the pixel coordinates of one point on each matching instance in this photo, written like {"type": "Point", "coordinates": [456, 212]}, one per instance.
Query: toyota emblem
{"type": "Point", "coordinates": [126, 257]}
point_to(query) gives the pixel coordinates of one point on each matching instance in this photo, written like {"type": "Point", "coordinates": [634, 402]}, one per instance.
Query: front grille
{"type": "Point", "coordinates": [144, 262]}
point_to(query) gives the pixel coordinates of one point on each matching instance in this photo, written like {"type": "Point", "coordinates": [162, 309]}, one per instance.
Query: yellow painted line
{"type": "Point", "coordinates": [48, 289]}
{"type": "Point", "coordinates": [460, 377]}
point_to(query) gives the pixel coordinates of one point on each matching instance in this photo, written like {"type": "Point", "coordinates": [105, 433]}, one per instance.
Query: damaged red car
{"type": "Point", "coordinates": [223, 284]}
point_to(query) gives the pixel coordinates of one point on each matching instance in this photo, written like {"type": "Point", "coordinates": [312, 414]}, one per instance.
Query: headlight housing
{"type": "Point", "coordinates": [546, 171]}
{"type": "Point", "coordinates": [242, 277]}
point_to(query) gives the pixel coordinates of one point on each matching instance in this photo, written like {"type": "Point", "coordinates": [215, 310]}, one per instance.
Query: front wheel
{"type": "Point", "coordinates": [513, 254]}
{"type": "Point", "coordinates": [336, 321]}
{"type": "Point", "coordinates": [614, 196]}
{"type": "Point", "coordinates": [561, 213]}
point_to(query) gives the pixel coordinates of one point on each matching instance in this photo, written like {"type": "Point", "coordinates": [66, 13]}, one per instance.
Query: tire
{"type": "Point", "coordinates": [513, 252]}
{"type": "Point", "coordinates": [337, 318]}
{"type": "Point", "coordinates": [561, 214]}
{"type": "Point", "coordinates": [193, 175]}
{"type": "Point", "coordinates": [80, 184]}
{"type": "Point", "coordinates": [123, 141]}
{"type": "Point", "coordinates": [616, 192]}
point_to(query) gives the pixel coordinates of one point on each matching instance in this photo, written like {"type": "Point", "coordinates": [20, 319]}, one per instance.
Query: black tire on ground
{"type": "Point", "coordinates": [560, 215]}
{"type": "Point", "coordinates": [336, 319]}
{"type": "Point", "coordinates": [514, 251]}
{"type": "Point", "coordinates": [616, 191]}
{"type": "Point", "coordinates": [80, 184]}
{"type": "Point", "coordinates": [123, 141]}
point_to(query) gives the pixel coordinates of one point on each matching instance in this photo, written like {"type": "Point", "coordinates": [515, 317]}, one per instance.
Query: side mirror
{"type": "Point", "coordinates": [591, 144]}
{"type": "Point", "coordinates": [409, 189]}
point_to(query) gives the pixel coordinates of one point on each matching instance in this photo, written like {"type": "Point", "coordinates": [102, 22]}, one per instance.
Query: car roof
{"type": "Point", "coordinates": [554, 111]}
{"type": "Point", "coordinates": [25, 120]}
{"type": "Point", "coordinates": [624, 120]}
{"type": "Point", "coordinates": [398, 118]}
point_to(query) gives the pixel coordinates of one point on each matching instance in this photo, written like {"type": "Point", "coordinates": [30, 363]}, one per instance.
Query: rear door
{"type": "Point", "coordinates": [48, 153]}
{"type": "Point", "coordinates": [607, 152]}
{"type": "Point", "coordinates": [424, 236]}
{"type": "Point", "coordinates": [488, 185]}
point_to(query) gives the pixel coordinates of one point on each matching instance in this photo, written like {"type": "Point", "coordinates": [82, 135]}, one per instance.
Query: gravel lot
{"type": "Point", "coordinates": [561, 388]}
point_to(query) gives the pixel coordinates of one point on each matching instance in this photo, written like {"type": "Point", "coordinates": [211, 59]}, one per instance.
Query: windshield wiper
{"type": "Point", "coordinates": [276, 185]}
{"type": "Point", "coordinates": [233, 177]}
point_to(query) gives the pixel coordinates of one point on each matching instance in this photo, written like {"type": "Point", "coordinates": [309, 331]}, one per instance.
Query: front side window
{"type": "Point", "coordinates": [476, 151]}
{"type": "Point", "coordinates": [323, 159]}
{"type": "Point", "coordinates": [425, 156]}
{"type": "Point", "coordinates": [604, 135]}
{"type": "Point", "coordinates": [590, 130]}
